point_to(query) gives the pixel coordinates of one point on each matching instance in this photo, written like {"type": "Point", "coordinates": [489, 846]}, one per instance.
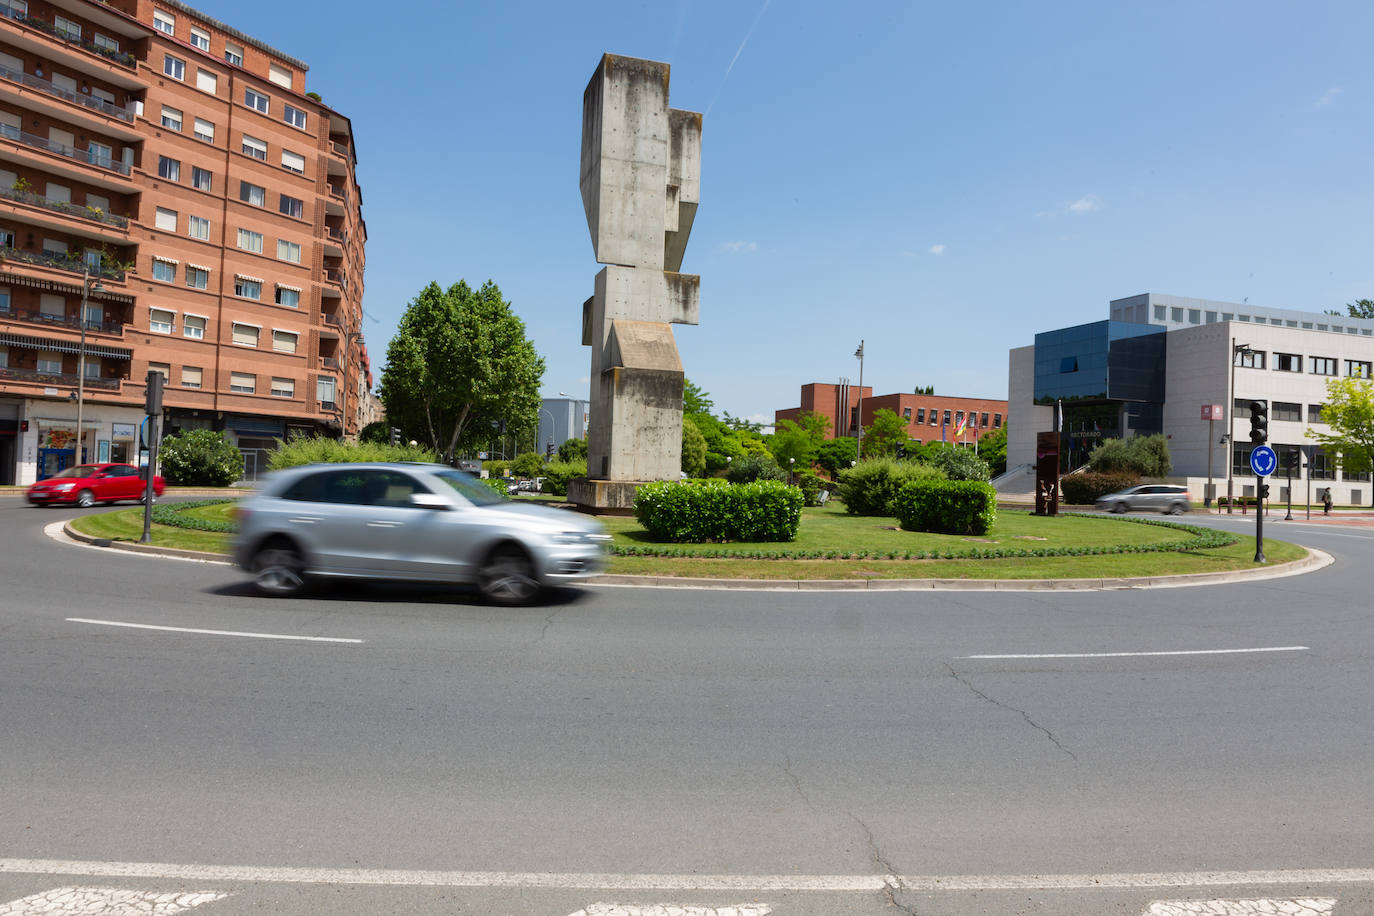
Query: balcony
{"type": "Point", "coordinates": [62, 206]}
{"type": "Point", "coordinates": [329, 406]}
{"type": "Point", "coordinates": [88, 156]}
{"type": "Point", "coordinates": [28, 316]}
{"type": "Point", "coordinates": [336, 276]}
{"type": "Point", "coordinates": [68, 379]}
{"type": "Point", "coordinates": [59, 262]}
{"type": "Point", "coordinates": [41, 25]}
{"type": "Point", "coordinates": [329, 362]}
{"type": "Point", "coordinates": [42, 85]}
{"type": "Point", "coordinates": [331, 319]}
{"type": "Point", "coordinates": [337, 191]}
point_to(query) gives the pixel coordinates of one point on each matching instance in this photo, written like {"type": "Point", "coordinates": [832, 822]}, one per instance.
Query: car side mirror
{"type": "Point", "coordinates": [429, 501]}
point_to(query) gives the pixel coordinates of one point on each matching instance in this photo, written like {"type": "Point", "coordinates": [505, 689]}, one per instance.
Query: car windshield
{"type": "Point", "coordinates": [81, 470]}
{"type": "Point", "coordinates": [473, 490]}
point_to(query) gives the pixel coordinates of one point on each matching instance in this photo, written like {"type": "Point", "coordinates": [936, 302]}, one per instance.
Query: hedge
{"type": "Point", "coordinates": [172, 516]}
{"type": "Point", "coordinates": [868, 488]}
{"type": "Point", "coordinates": [946, 506]}
{"type": "Point", "coordinates": [1084, 488]}
{"type": "Point", "coordinates": [765, 510]}
{"type": "Point", "coordinates": [558, 474]}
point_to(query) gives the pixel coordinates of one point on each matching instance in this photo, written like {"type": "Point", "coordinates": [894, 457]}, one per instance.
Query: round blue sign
{"type": "Point", "coordinates": [1263, 461]}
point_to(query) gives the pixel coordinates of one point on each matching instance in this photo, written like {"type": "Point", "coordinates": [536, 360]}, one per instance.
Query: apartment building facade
{"type": "Point", "coordinates": [174, 174]}
{"type": "Point", "coordinates": [929, 417]}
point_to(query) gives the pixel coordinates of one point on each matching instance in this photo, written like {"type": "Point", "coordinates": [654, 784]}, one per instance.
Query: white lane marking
{"type": "Point", "coordinates": [673, 909]}
{"type": "Point", "coordinates": [682, 882]}
{"type": "Point", "coordinates": [105, 901]}
{"type": "Point", "coordinates": [54, 530]}
{"type": "Point", "coordinates": [149, 626]}
{"type": "Point", "coordinates": [1146, 654]}
{"type": "Point", "coordinates": [1297, 906]}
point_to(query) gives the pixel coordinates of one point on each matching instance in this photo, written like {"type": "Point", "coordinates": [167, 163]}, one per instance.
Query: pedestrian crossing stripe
{"type": "Point", "coordinates": [106, 901]}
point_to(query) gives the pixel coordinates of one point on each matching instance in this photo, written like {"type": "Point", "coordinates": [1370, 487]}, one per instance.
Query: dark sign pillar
{"type": "Point", "coordinates": [1047, 473]}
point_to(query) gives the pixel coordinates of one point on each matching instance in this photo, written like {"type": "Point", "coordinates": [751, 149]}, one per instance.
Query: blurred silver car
{"type": "Point", "coordinates": [409, 522]}
{"type": "Point", "coordinates": [1159, 497]}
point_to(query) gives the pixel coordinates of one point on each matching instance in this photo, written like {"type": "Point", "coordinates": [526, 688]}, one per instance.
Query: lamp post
{"type": "Point", "coordinates": [552, 423]}
{"type": "Point", "coordinates": [1236, 350]}
{"type": "Point", "coordinates": [87, 287]}
{"type": "Point", "coordinates": [859, 445]}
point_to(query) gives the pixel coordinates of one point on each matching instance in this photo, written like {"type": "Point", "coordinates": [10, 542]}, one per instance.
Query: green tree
{"type": "Point", "coordinates": [1360, 308]}
{"type": "Point", "coordinates": [836, 455]}
{"type": "Point", "coordinates": [694, 400]}
{"type": "Point", "coordinates": [992, 448]}
{"type": "Point", "coordinates": [380, 431]}
{"type": "Point", "coordinates": [693, 449]}
{"type": "Point", "coordinates": [528, 464]}
{"type": "Point", "coordinates": [1349, 411]}
{"type": "Point", "coordinates": [459, 365]}
{"type": "Point", "coordinates": [799, 439]}
{"type": "Point", "coordinates": [885, 435]}
{"type": "Point", "coordinates": [925, 389]}
{"type": "Point", "coordinates": [200, 458]}
{"type": "Point", "coordinates": [573, 450]}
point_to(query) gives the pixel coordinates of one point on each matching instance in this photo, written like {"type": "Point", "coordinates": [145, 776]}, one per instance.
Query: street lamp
{"type": "Point", "coordinates": [552, 423]}
{"type": "Point", "coordinates": [1236, 350]}
{"type": "Point", "coordinates": [87, 287]}
{"type": "Point", "coordinates": [859, 444]}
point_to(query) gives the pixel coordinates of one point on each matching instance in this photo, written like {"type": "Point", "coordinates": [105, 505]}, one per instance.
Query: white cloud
{"type": "Point", "coordinates": [1086, 204]}
{"type": "Point", "coordinates": [937, 249]}
{"type": "Point", "coordinates": [739, 247]}
{"type": "Point", "coordinates": [1328, 97]}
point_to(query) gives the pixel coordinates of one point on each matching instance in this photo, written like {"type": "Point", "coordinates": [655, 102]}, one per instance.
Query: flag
{"type": "Point", "coordinates": [959, 430]}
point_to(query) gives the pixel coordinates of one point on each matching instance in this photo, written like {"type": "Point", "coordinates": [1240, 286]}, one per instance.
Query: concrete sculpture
{"type": "Point", "coordinates": [640, 180]}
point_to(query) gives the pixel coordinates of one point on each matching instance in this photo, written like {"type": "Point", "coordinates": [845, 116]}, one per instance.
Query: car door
{"type": "Point", "coordinates": [125, 478]}
{"type": "Point", "coordinates": [408, 541]}
{"type": "Point", "coordinates": [324, 512]}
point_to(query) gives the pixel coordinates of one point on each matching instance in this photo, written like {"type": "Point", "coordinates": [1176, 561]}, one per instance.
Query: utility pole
{"type": "Point", "coordinates": [859, 445]}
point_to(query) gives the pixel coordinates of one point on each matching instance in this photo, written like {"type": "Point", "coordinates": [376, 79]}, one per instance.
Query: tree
{"type": "Point", "coordinates": [200, 458]}
{"type": "Point", "coordinates": [836, 455]}
{"type": "Point", "coordinates": [695, 400]}
{"type": "Point", "coordinates": [799, 439]}
{"type": "Point", "coordinates": [529, 464]}
{"type": "Point", "coordinates": [459, 367]}
{"type": "Point", "coordinates": [1360, 308]}
{"type": "Point", "coordinates": [992, 448]}
{"type": "Point", "coordinates": [573, 450]}
{"type": "Point", "coordinates": [1349, 411]}
{"type": "Point", "coordinates": [693, 449]}
{"type": "Point", "coordinates": [380, 431]}
{"type": "Point", "coordinates": [925, 389]}
{"type": "Point", "coordinates": [885, 435]}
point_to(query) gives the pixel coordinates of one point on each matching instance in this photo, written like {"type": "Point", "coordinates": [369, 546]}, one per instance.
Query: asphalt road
{"type": "Point", "coordinates": [812, 752]}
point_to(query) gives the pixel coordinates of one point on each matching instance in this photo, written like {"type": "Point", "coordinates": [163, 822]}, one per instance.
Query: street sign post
{"type": "Point", "coordinates": [1211, 413]}
{"type": "Point", "coordinates": [1263, 461]}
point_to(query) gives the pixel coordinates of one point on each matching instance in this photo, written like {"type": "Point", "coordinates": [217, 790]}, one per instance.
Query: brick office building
{"type": "Point", "coordinates": [176, 168]}
{"type": "Point", "coordinates": [930, 418]}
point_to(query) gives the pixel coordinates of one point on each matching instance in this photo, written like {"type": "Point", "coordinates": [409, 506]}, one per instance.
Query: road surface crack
{"type": "Point", "coordinates": [548, 622]}
{"type": "Point", "coordinates": [796, 783]}
{"type": "Point", "coordinates": [892, 882]}
{"type": "Point", "coordinates": [1029, 721]}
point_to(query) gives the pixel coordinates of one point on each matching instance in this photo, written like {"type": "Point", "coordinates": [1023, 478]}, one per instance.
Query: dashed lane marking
{"type": "Point", "coordinates": [1145, 654]}
{"type": "Point", "coordinates": [105, 901]}
{"type": "Point", "coordinates": [673, 909]}
{"type": "Point", "coordinates": [149, 626]}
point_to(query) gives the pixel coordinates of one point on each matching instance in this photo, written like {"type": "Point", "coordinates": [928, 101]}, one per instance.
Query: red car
{"type": "Point", "coordinates": [88, 484]}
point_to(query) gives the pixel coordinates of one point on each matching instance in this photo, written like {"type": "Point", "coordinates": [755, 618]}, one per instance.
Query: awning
{"type": "Point", "coordinates": [55, 287]}
{"type": "Point", "coordinates": [63, 346]}
{"type": "Point", "coordinates": [253, 279]}
{"type": "Point", "coordinates": [158, 257]}
{"type": "Point", "coordinates": [294, 289]}
{"type": "Point", "coordinates": [198, 266]}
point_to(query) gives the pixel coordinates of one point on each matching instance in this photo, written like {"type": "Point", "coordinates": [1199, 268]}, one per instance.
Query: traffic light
{"type": "Point", "coordinates": [1259, 422]}
{"type": "Point", "coordinates": [152, 404]}
{"type": "Point", "coordinates": [1264, 491]}
{"type": "Point", "coordinates": [395, 435]}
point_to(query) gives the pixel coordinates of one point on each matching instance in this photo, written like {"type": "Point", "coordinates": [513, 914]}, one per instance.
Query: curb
{"type": "Point", "coordinates": [1315, 559]}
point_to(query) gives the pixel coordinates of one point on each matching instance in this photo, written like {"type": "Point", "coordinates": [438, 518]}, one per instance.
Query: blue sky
{"type": "Point", "coordinates": [941, 180]}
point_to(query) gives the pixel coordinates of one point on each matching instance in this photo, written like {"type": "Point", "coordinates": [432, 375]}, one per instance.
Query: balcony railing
{"type": "Point", "coordinates": [329, 406]}
{"type": "Point", "coordinates": [56, 378]}
{"type": "Point", "coordinates": [88, 156]}
{"type": "Point", "coordinates": [336, 191]}
{"type": "Point", "coordinates": [336, 276]}
{"type": "Point", "coordinates": [61, 206]}
{"type": "Point", "coordinates": [59, 261]}
{"type": "Point", "coordinates": [100, 105]}
{"type": "Point", "coordinates": [337, 235]}
{"type": "Point", "coordinates": [340, 148]}
{"type": "Point", "coordinates": [329, 362]}
{"type": "Point", "coordinates": [331, 319]}
{"type": "Point", "coordinates": [119, 57]}
{"type": "Point", "coordinates": [28, 316]}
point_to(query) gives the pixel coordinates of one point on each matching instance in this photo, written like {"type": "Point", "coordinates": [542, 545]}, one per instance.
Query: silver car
{"type": "Point", "coordinates": [1160, 497]}
{"type": "Point", "coordinates": [409, 522]}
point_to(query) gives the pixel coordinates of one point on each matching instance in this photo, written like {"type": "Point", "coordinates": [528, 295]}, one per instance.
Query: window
{"type": "Point", "coordinates": [202, 179]}
{"type": "Point", "coordinates": [160, 321]}
{"type": "Point", "coordinates": [54, 246]}
{"type": "Point", "coordinates": [324, 389]}
{"type": "Point", "coordinates": [984, 421]}
{"type": "Point", "coordinates": [946, 418]}
{"type": "Point", "coordinates": [193, 326]}
{"type": "Point", "coordinates": [248, 287]}
{"type": "Point", "coordinates": [292, 207]}
{"type": "Point", "coordinates": [250, 193]}
{"type": "Point", "coordinates": [164, 22]}
{"type": "Point", "coordinates": [243, 383]}
{"type": "Point", "coordinates": [1240, 461]}
{"type": "Point", "coordinates": [254, 147]}
{"type": "Point", "coordinates": [166, 271]}
{"type": "Point", "coordinates": [163, 368]}
{"type": "Point", "coordinates": [1068, 364]}
{"type": "Point", "coordinates": [1287, 362]}
{"type": "Point", "coordinates": [59, 192]}
{"type": "Point", "coordinates": [288, 251]}
{"type": "Point", "coordinates": [1321, 365]}
{"type": "Point", "coordinates": [190, 376]}
{"type": "Point", "coordinates": [200, 39]}
{"type": "Point", "coordinates": [1194, 316]}
{"type": "Point", "coordinates": [52, 306]}
{"type": "Point", "coordinates": [920, 414]}
{"type": "Point", "coordinates": [67, 28]}
{"type": "Point", "coordinates": [250, 240]}
{"type": "Point", "coordinates": [165, 219]}
{"type": "Point", "coordinates": [1159, 313]}
{"type": "Point", "coordinates": [1250, 359]}
{"type": "Point", "coordinates": [174, 67]}
{"type": "Point", "coordinates": [279, 75]}
{"type": "Point", "coordinates": [1176, 314]}
{"type": "Point", "coordinates": [245, 335]}
{"type": "Point", "coordinates": [934, 417]}
{"type": "Point", "coordinates": [207, 81]}
{"type": "Point", "coordinates": [1314, 413]}
{"type": "Point", "coordinates": [288, 296]}
{"type": "Point", "coordinates": [50, 363]}
{"type": "Point", "coordinates": [294, 116]}
{"type": "Point", "coordinates": [283, 387]}
{"type": "Point", "coordinates": [1356, 368]}
{"type": "Point", "coordinates": [1247, 318]}
{"type": "Point", "coordinates": [234, 54]}
{"type": "Point", "coordinates": [168, 168]}
{"type": "Point", "coordinates": [105, 42]}
{"type": "Point", "coordinates": [256, 100]}
{"type": "Point", "coordinates": [906, 414]}
{"type": "Point", "coordinates": [997, 421]}
{"type": "Point", "coordinates": [1285, 410]}
{"type": "Point", "coordinates": [171, 118]}
{"type": "Point", "coordinates": [1321, 466]}
{"type": "Point", "coordinates": [293, 162]}
{"type": "Point", "coordinates": [285, 341]}
{"type": "Point", "coordinates": [198, 227]}
{"type": "Point", "coordinates": [1211, 317]}
{"type": "Point", "coordinates": [197, 277]}
{"type": "Point", "coordinates": [204, 130]}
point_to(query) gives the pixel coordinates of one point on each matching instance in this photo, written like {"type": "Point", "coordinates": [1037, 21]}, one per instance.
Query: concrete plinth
{"type": "Point", "coordinates": [604, 497]}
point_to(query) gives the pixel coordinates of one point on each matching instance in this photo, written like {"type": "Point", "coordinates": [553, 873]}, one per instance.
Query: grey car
{"type": "Point", "coordinates": [1158, 497]}
{"type": "Point", "coordinates": [409, 522]}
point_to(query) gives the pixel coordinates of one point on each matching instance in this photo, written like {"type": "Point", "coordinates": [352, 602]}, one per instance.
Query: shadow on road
{"type": "Point", "coordinates": [401, 593]}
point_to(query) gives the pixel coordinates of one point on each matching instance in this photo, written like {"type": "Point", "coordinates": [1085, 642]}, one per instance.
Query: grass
{"type": "Point", "coordinates": [829, 528]}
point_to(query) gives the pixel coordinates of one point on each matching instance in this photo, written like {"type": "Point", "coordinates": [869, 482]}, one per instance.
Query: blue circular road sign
{"type": "Point", "coordinates": [1263, 461]}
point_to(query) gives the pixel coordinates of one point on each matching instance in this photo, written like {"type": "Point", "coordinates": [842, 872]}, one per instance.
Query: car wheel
{"type": "Point", "coordinates": [1119, 508]}
{"type": "Point", "coordinates": [279, 569]}
{"type": "Point", "coordinates": [507, 577]}
{"type": "Point", "coordinates": [85, 499]}
{"type": "Point", "coordinates": [1177, 509]}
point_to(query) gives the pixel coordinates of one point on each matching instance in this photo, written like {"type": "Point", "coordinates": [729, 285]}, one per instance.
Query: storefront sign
{"type": "Point", "coordinates": [122, 430]}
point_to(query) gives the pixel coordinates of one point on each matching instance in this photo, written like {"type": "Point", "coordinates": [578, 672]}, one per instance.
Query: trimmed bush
{"type": "Point", "coordinates": [754, 467]}
{"type": "Point", "coordinates": [868, 488]}
{"type": "Point", "coordinates": [200, 458]}
{"type": "Point", "coordinates": [529, 464]}
{"type": "Point", "coordinates": [1147, 456]}
{"type": "Point", "coordinates": [1083, 489]}
{"type": "Point", "coordinates": [573, 450]}
{"type": "Point", "coordinates": [946, 506]}
{"type": "Point", "coordinates": [557, 475]}
{"type": "Point", "coordinates": [316, 450]}
{"type": "Point", "coordinates": [810, 485]}
{"type": "Point", "coordinates": [960, 464]}
{"type": "Point", "coordinates": [711, 510]}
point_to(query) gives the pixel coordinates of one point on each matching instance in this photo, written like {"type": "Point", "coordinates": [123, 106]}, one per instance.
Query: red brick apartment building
{"type": "Point", "coordinates": [176, 169]}
{"type": "Point", "coordinates": [930, 418]}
